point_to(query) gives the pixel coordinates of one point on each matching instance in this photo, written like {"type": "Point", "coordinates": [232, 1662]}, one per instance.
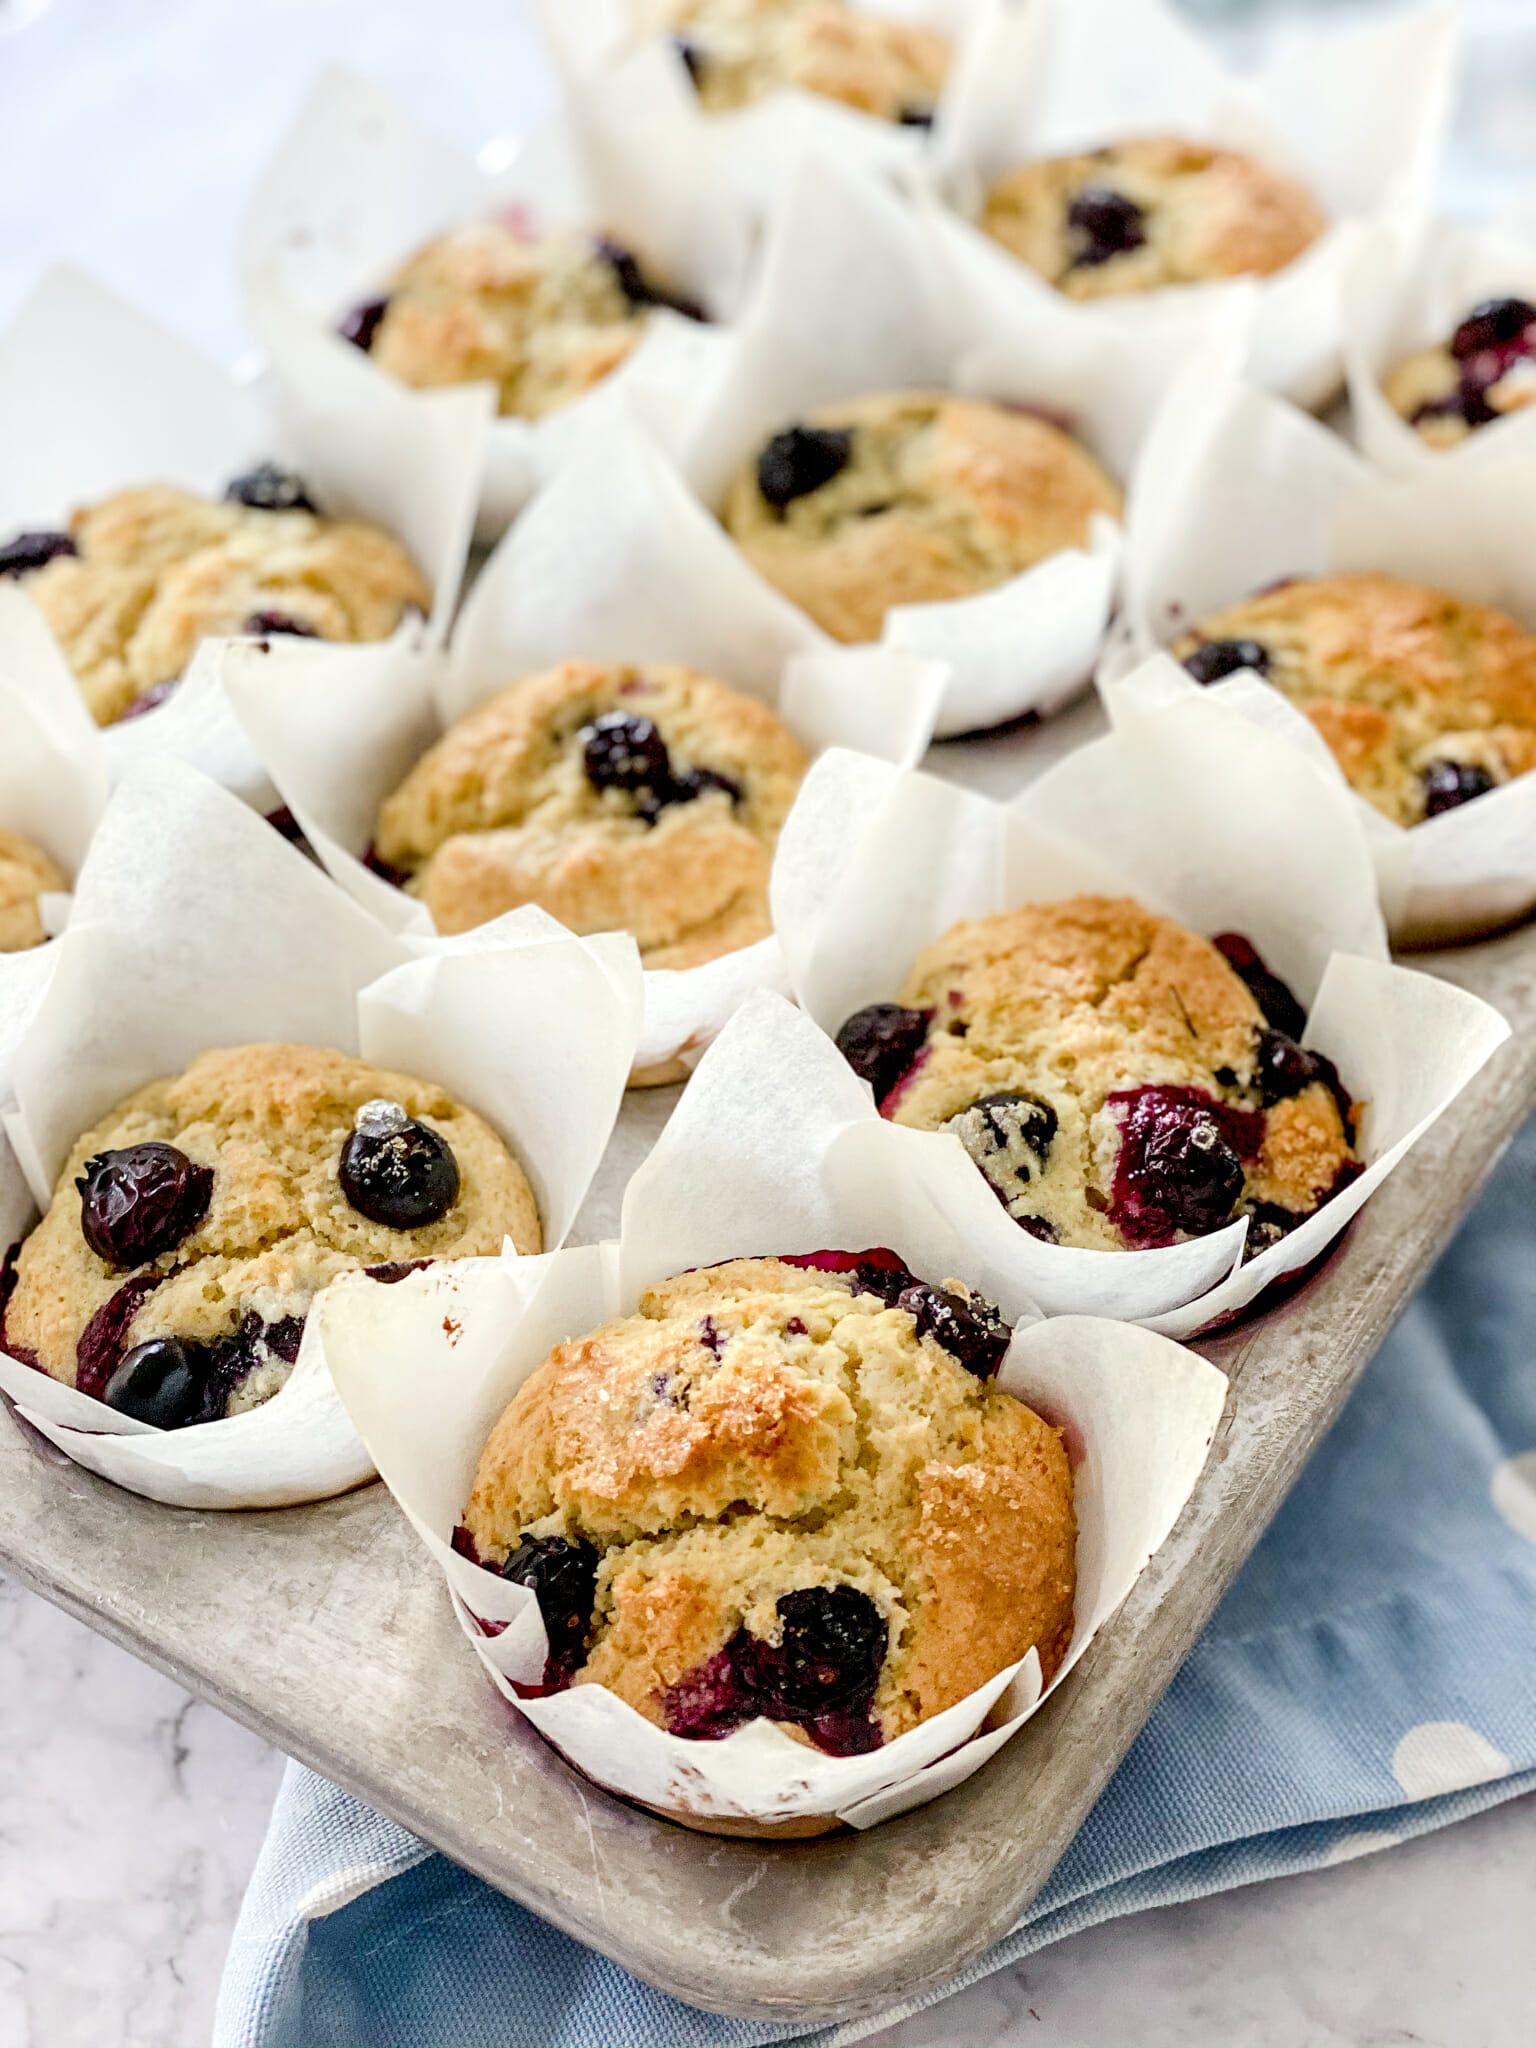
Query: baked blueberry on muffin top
{"type": "Point", "coordinates": [1158, 210]}
{"type": "Point", "coordinates": [1120, 1082]}
{"type": "Point", "coordinates": [783, 1488]}
{"type": "Point", "coordinates": [1484, 370]}
{"type": "Point", "coordinates": [141, 578]}
{"type": "Point", "coordinates": [644, 799]}
{"type": "Point", "coordinates": [910, 497]}
{"type": "Point", "coordinates": [737, 51]}
{"type": "Point", "coordinates": [542, 317]}
{"type": "Point", "coordinates": [1426, 700]}
{"type": "Point", "coordinates": [192, 1228]}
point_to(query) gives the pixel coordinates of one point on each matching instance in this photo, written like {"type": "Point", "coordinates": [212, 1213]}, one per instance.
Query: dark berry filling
{"type": "Point", "coordinates": [801, 460]}
{"type": "Point", "coordinates": [264, 623]}
{"type": "Point", "coordinates": [820, 1675]}
{"type": "Point", "coordinates": [396, 1171]}
{"type": "Point", "coordinates": [692, 58]}
{"type": "Point", "coordinates": [140, 1202]}
{"type": "Point", "coordinates": [376, 864]}
{"type": "Point", "coordinates": [1272, 995]}
{"type": "Point", "coordinates": [388, 1271]}
{"type": "Point", "coordinates": [159, 1382]}
{"type": "Point", "coordinates": [8, 1279]}
{"type": "Point", "coordinates": [1450, 784]}
{"type": "Point", "coordinates": [637, 287]}
{"type": "Point", "coordinates": [1213, 659]}
{"type": "Point", "coordinates": [622, 751]}
{"type": "Point", "coordinates": [971, 1330]}
{"type": "Point", "coordinates": [916, 117]}
{"type": "Point", "coordinates": [881, 1043]}
{"type": "Point", "coordinates": [878, 1270]}
{"type": "Point", "coordinates": [29, 551]}
{"type": "Point", "coordinates": [1103, 223]}
{"type": "Point", "coordinates": [1180, 1167]}
{"type": "Point", "coordinates": [361, 325]}
{"type": "Point", "coordinates": [100, 1347]}
{"type": "Point", "coordinates": [1494, 324]}
{"type": "Point", "coordinates": [562, 1576]}
{"type": "Point", "coordinates": [174, 1381]}
{"type": "Point", "coordinates": [269, 488]}
{"type": "Point", "coordinates": [1493, 338]}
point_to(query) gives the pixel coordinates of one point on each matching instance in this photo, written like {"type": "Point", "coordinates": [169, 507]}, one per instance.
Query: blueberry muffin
{"type": "Point", "coordinates": [1154, 211]}
{"type": "Point", "coordinates": [1120, 1082]}
{"type": "Point", "coordinates": [738, 51]}
{"type": "Point", "coordinates": [1485, 370]}
{"type": "Point", "coordinates": [26, 872]}
{"type": "Point", "coordinates": [193, 1227]}
{"type": "Point", "coordinates": [142, 577]}
{"type": "Point", "coordinates": [783, 1489]}
{"type": "Point", "coordinates": [639, 799]}
{"type": "Point", "coordinates": [543, 318]}
{"type": "Point", "coordinates": [910, 497]}
{"type": "Point", "coordinates": [1426, 700]}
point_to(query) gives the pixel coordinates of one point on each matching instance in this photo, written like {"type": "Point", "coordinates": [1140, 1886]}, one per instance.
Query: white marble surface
{"type": "Point", "coordinates": [129, 1813]}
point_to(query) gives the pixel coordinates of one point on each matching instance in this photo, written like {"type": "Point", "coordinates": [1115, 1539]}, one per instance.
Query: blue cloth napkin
{"type": "Point", "coordinates": [1367, 1678]}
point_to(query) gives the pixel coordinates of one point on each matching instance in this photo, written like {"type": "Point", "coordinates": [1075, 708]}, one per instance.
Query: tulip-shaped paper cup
{"type": "Point", "coordinates": [1408, 295]}
{"type": "Point", "coordinates": [1356, 117]}
{"type": "Point", "coordinates": [597, 42]}
{"type": "Point", "coordinates": [1200, 819]}
{"type": "Point", "coordinates": [854, 301]}
{"type": "Point", "coordinates": [613, 561]}
{"type": "Point", "coordinates": [772, 1150]}
{"type": "Point", "coordinates": [1237, 492]}
{"type": "Point", "coordinates": [96, 397]}
{"type": "Point", "coordinates": [356, 188]}
{"type": "Point", "coordinates": [196, 927]}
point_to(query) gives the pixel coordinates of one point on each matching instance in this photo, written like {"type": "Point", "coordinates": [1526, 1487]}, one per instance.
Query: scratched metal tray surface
{"type": "Point", "coordinates": [327, 1630]}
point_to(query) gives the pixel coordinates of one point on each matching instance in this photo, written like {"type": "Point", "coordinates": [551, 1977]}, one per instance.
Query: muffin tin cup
{"type": "Point", "coordinates": [1357, 116]}
{"type": "Point", "coordinates": [612, 561]}
{"type": "Point", "coordinates": [1407, 291]}
{"type": "Point", "coordinates": [196, 927]}
{"type": "Point", "coordinates": [96, 397]}
{"type": "Point", "coordinates": [355, 188]}
{"type": "Point", "coordinates": [1201, 818]}
{"type": "Point", "coordinates": [854, 299]}
{"type": "Point", "coordinates": [769, 1151]}
{"type": "Point", "coordinates": [1239, 490]}
{"type": "Point", "coordinates": [596, 42]}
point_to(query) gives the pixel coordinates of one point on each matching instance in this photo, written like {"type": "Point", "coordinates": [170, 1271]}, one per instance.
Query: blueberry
{"type": "Point", "coordinates": [1178, 1171]}
{"type": "Point", "coordinates": [262, 623]}
{"type": "Point", "coordinates": [971, 1331]}
{"type": "Point", "coordinates": [141, 1201]}
{"type": "Point", "coordinates": [1213, 659]}
{"type": "Point", "coordinates": [99, 1349]}
{"type": "Point", "coordinates": [881, 1042]}
{"type": "Point", "coordinates": [620, 751]}
{"type": "Point", "coordinates": [697, 782]}
{"type": "Point", "coordinates": [29, 551]}
{"type": "Point", "coordinates": [637, 287]}
{"type": "Point", "coordinates": [562, 1576]}
{"type": "Point", "coordinates": [362, 324]}
{"type": "Point", "coordinates": [1284, 1068]}
{"type": "Point", "coordinates": [1272, 995]}
{"type": "Point", "coordinates": [1039, 1227]}
{"type": "Point", "coordinates": [267, 488]}
{"type": "Point", "coordinates": [801, 460]}
{"type": "Point", "coordinates": [916, 117]}
{"type": "Point", "coordinates": [160, 1382]}
{"type": "Point", "coordinates": [1449, 784]}
{"type": "Point", "coordinates": [376, 864]}
{"type": "Point", "coordinates": [397, 1171]}
{"type": "Point", "coordinates": [832, 1642]}
{"type": "Point", "coordinates": [713, 1701]}
{"type": "Point", "coordinates": [1104, 223]}
{"type": "Point", "coordinates": [1494, 324]}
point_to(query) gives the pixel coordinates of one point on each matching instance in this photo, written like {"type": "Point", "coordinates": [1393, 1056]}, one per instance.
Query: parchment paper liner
{"type": "Point", "coordinates": [1356, 115]}
{"type": "Point", "coordinates": [1405, 292]}
{"type": "Point", "coordinates": [356, 187]}
{"type": "Point", "coordinates": [613, 560]}
{"type": "Point", "coordinates": [95, 396]}
{"type": "Point", "coordinates": [852, 299]}
{"type": "Point", "coordinates": [772, 1149]}
{"type": "Point", "coordinates": [593, 42]}
{"type": "Point", "coordinates": [1201, 819]}
{"type": "Point", "coordinates": [1236, 490]}
{"type": "Point", "coordinates": [196, 926]}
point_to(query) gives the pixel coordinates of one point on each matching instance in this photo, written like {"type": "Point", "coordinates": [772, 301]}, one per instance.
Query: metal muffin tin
{"type": "Point", "coordinates": [327, 1630]}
